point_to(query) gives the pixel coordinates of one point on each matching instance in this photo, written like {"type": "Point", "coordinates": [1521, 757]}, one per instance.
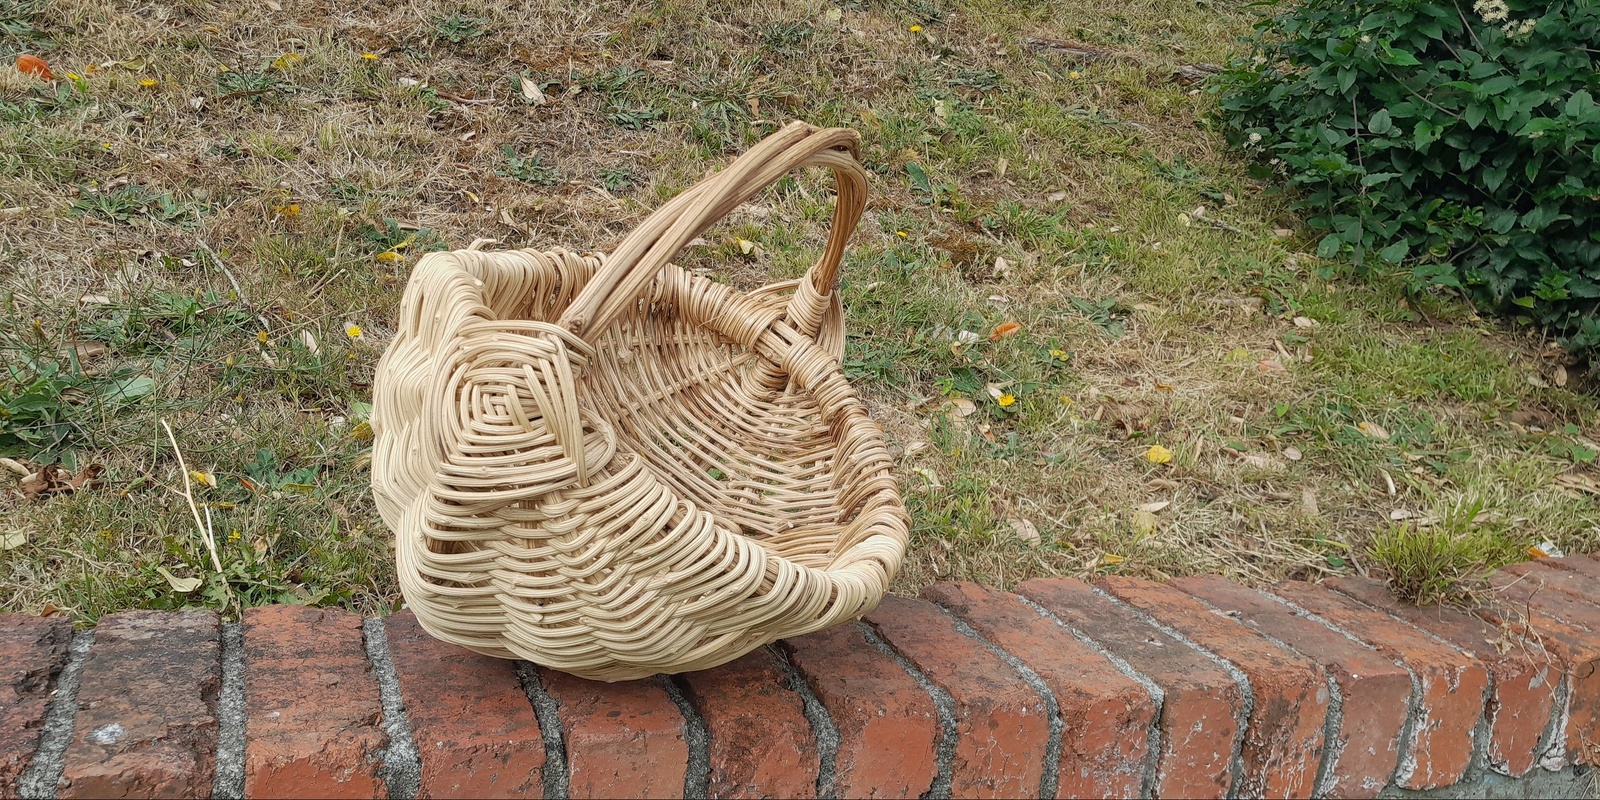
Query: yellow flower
{"type": "Point", "coordinates": [233, 536]}
{"type": "Point", "coordinates": [389, 255]}
{"type": "Point", "coordinates": [353, 331]}
{"type": "Point", "coordinates": [285, 61]}
{"type": "Point", "coordinates": [1074, 74]}
{"type": "Point", "coordinates": [901, 234]}
{"type": "Point", "coordinates": [369, 56]}
{"type": "Point", "coordinates": [75, 76]}
{"type": "Point", "coordinates": [149, 83]}
{"type": "Point", "coordinates": [916, 29]}
{"type": "Point", "coordinates": [1059, 354]}
{"type": "Point", "coordinates": [261, 336]}
{"type": "Point", "coordinates": [1158, 455]}
{"type": "Point", "coordinates": [291, 210]}
{"type": "Point", "coordinates": [1006, 400]}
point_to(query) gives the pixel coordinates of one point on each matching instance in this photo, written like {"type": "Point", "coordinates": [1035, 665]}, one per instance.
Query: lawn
{"type": "Point", "coordinates": [208, 217]}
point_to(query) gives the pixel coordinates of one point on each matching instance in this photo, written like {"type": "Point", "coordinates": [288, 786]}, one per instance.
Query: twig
{"type": "Point", "coordinates": [244, 301]}
{"type": "Point", "coordinates": [188, 494]}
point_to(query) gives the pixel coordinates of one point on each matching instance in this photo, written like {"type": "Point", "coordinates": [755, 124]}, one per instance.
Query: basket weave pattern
{"type": "Point", "coordinates": [615, 468]}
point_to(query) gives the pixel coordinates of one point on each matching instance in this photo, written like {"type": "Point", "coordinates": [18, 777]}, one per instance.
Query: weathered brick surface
{"type": "Point", "coordinates": [314, 727]}
{"type": "Point", "coordinates": [1106, 715]}
{"type": "Point", "coordinates": [33, 651]}
{"type": "Point", "coordinates": [1583, 565]}
{"type": "Point", "coordinates": [1539, 592]}
{"type": "Point", "coordinates": [762, 744]}
{"type": "Point", "coordinates": [1525, 677]}
{"type": "Point", "coordinates": [1284, 738]}
{"type": "Point", "coordinates": [1569, 629]}
{"type": "Point", "coordinates": [475, 731]}
{"type": "Point", "coordinates": [888, 725]}
{"type": "Point", "coordinates": [1002, 730]}
{"type": "Point", "coordinates": [623, 739]}
{"type": "Point", "coordinates": [147, 702]}
{"type": "Point", "coordinates": [1453, 683]}
{"type": "Point", "coordinates": [1376, 692]}
{"type": "Point", "coordinates": [1203, 707]}
{"type": "Point", "coordinates": [1579, 586]}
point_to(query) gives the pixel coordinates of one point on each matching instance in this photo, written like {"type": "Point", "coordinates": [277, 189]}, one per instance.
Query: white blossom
{"type": "Point", "coordinates": [1492, 10]}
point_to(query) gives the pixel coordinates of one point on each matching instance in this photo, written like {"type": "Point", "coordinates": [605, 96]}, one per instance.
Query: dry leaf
{"type": "Point", "coordinates": [310, 341]}
{"type": "Point", "coordinates": [995, 392]}
{"type": "Point", "coordinates": [1271, 366]}
{"type": "Point", "coordinates": [1292, 453]}
{"type": "Point", "coordinates": [1158, 455]}
{"type": "Point", "coordinates": [1400, 514]}
{"type": "Point", "coordinates": [1000, 166]}
{"type": "Point", "coordinates": [13, 540]}
{"type": "Point", "coordinates": [206, 478]}
{"type": "Point", "coordinates": [1025, 530]}
{"type": "Point", "coordinates": [930, 476]}
{"type": "Point", "coordinates": [1002, 268]}
{"type": "Point", "coordinates": [1372, 429]}
{"type": "Point", "coordinates": [1308, 502]}
{"type": "Point", "coordinates": [1282, 233]}
{"type": "Point", "coordinates": [16, 466]}
{"type": "Point", "coordinates": [1056, 197]}
{"type": "Point", "coordinates": [1111, 560]}
{"type": "Point", "coordinates": [183, 585]}
{"type": "Point", "coordinates": [1304, 322]}
{"type": "Point", "coordinates": [1560, 375]}
{"type": "Point", "coordinates": [272, 4]}
{"type": "Point", "coordinates": [1156, 507]}
{"type": "Point", "coordinates": [1255, 460]}
{"type": "Point", "coordinates": [1144, 523]}
{"type": "Point", "coordinates": [1004, 330]}
{"type": "Point", "coordinates": [746, 246]}
{"type": "Point", "coordinates": [532, 93]}
{"type": "Point", "coordinates": [29, 64]}
{"type": "Point", "coordinates": [960, 407]}
{"type": "Point", "coordinates": [1535, 380]}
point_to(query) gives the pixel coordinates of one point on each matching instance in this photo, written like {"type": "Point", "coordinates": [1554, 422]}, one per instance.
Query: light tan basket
{"type": "Point", "coordinates": [613, 467]}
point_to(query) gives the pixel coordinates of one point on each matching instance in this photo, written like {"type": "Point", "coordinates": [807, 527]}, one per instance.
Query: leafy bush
{"type": "Point", "coordinates": [1461, 140]}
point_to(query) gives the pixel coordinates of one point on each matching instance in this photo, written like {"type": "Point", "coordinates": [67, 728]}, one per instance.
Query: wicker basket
{"type": "Point", "coordinates": [615, 468]}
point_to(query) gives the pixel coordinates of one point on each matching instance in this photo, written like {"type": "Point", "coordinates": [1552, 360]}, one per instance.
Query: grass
{"type": "Point", "coordinates": [192, 228]}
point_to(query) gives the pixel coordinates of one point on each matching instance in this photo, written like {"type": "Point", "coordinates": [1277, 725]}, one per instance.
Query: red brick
{"type": "Point", "coordinates": [1002, 728]}
{"type": "Point", "coordinates": [888, 725]}
{"type": "Point", "coordinates": [1376, 692]}
{"type": "Point", "coordinates": [147, 703]}
{"type": "Point", "coordinates": [1284, 738]}
{"type": "Point", "coordinates": [1577, 585]}
{"type": "Point", "coordinates": [33, 651]}
{"type": "Point", "coordinates": [474, 728]}
{"type": "Point", "coordinates": [1568, 628]}
{"type": "Point", "coordinates": [1453, 682]}
{"type": "Point", "coordinates": [624, 739]}
{"type": "Point", "coordinates": [314, 726]}
{"type": "Point", "coordinates": [761, 742]}
{"type": "Point", "coordinates": [1583, 565]}
{"type": "Point", "coordinates": [1106, 715]}
{"type": "Point", "coordinates": [1203, 707]}
{"type": "Point", "coordinates": [1525, 677]}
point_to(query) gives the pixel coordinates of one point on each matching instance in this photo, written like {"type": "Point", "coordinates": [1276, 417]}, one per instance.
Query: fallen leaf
{"type": "Point", "coordinates": [1546, 550]}
{"type": "Point", "coordinates": [13, 540]}
{"type": "Point", "coordinates": [206, 478]}
{"type": "Point", "coordinates": [1004, 330]}
{"type": "Point", "coordinates": [1292, 453]}
{"type": "Point", "coordinates": [961, 406]}
{"type": "Point", "coordinates": [183, 585]}
{"type": "Point", "coordinates": [1308, 502]}
{"type": "Point", "coordinates": [1372, 429]}
{"type": "Point", "coordinates": [1156, 507]}
{"type": "Point", "coordinates": [1400, 514]}
{"type": "Point", "coordinates": [1163, 387]}
{"type": "Point", "coordinates": [1144, 523]}
{"type": "Point", "coordinates": [1002, 268]}
{"type": "Point", "coordinates": [1282, 233]}
{"type": "Point", "coordinates": [532, 93]}
{"type": "Point", "coordinates": [1535, 380]}
{"type": "Point", "coordinates": [995, 392]}
{"type": "Point", "coordinates": [930, 476]}
{"type": "Point", "coordinates": [1025, 530]}
{"type": "Point", "coordinates": [1560, 375]}
{"type": "Point", "coordinates": [272, 4]}
{"type": "Point", "coordinates": [833, 14]}
{"type": "Point", "coordinates": [1000, 166]}
{"type": "Point", "coordinates": [1158, 455]}
{"type": "Point", "coordinates": [1271, 366]}
{"type": "Point", "coordinates": [1056, 197]}
{"type": "Point", "coordinates": [16, 466]}
{"type": "Point", "coordinates": [1304, 322]}
{"type": "Point", "coordinates": [29, 64]}
{"type": "Point", "coordinates": [1111, 560]}
{"type": "Point", "coordinates": [747, 247]}
{"type": "Point", "coordinates": [310, 341]}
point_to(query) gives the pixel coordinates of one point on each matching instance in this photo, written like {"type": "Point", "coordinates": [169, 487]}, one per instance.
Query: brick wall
{"type": "Point", "coordinates": [1200, 688]}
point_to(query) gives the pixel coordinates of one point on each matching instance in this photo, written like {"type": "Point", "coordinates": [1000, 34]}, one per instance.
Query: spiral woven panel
{"type": "Point", "coordinates": [609, 466]}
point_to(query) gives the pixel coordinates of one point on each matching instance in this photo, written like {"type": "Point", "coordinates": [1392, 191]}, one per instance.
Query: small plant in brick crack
{"type": "Point", "coordinates": [1444, 558]}
{"type": "Point", "coordinates": [1461, 141]}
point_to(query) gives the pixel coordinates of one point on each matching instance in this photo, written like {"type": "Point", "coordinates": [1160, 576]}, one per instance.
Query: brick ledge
{"type": "Point", "coordinates": [1201, 688]}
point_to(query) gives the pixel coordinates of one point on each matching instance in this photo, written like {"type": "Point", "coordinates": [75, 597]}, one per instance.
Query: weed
{"type": "Point", "coordinates": [528, 169]}
{"type": "Point", "coordinates": [127, 203]}
{"type": "Point", "coordinates": [1443, 562]}
{"type": "Point", "coordinates": [458, 27]}
{"type": "Point", "coordinates": [252, 83]}
{"type": "Point", "coordinates": [617, 180]}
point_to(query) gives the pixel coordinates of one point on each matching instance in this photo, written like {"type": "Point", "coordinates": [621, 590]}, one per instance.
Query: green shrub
{"type": "Point", "coordinates": [1461, 140]}
{"type": "Point", "coordinates": [1445, 561]}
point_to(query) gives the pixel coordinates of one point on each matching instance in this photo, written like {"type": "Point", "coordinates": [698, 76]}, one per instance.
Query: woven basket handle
{"type": "Point", "coordinates": [648, 248]}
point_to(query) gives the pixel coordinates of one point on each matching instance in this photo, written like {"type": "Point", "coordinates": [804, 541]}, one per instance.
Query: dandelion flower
{"type": "Point", "coordinates": [1006, 400]}
{"type": "Point", "coordinates": [916, 29]}
{"type": "Point", "coordinates": [901, 234]}
{"type": "Point", "coordinates": [149, 83]}
{"type": "Point", "coordinates": [233, 536]}
{"type": "Point", "coordinates": [353, 331]}
{"type": "Point", "coordinates": [369, 56]}
{"type": "Point", "coordinates": [261, 336]}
